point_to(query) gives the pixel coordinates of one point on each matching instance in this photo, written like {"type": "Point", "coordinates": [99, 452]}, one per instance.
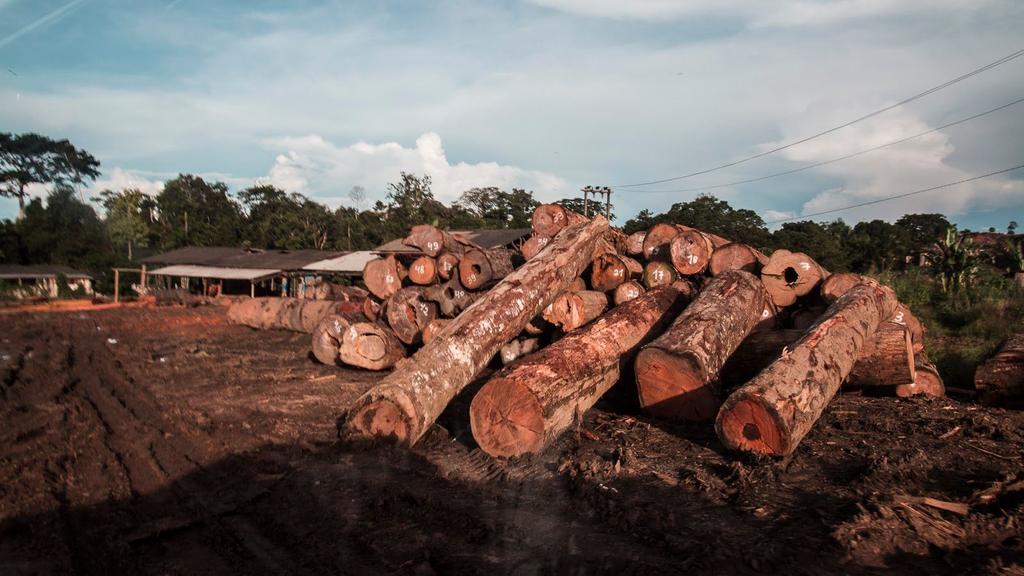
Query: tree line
{"type": "Point", "coordinates": [191, 211]}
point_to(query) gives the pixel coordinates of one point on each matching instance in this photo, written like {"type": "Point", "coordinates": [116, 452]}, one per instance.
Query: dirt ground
{"type": "Point", "coordinates": [165, 441]}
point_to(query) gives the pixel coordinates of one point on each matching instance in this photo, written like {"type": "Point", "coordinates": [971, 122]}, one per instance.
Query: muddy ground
{"type": "Point", "coordinates": [165, 441]}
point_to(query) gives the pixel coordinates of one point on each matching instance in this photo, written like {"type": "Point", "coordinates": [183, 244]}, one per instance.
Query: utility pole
{"type": "Point", "coordinates": [586, 206]}
{"type": "Point", "coordinates": [597, 191]}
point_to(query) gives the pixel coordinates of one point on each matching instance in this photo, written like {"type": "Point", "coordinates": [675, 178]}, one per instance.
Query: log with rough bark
{"type": "Point", "coordinates": [328, 334]}
{"type": "Point", "coordinates": [409, 400]}
{"type": "Point", "coordinates": [772, 413]}
{"type": "Point", "coordinates": [447, 265]}
{"type": "Point", "coordinates": [736, 256]}
{"type": "Point", "coordinates": [570, 310]}
{"type": "Point", "coordinates": [690, 251]}
{"type": "Point", "coordinates": [658, 274]}
{"type": "Point", "coordinates": [927, 380]}
{"type": "Point", "coordinates": [677, 374]}
{"type": "Point", "coordinates": [432, 241]}
{"type": "Point", "coordinates": [769, 316]}
{"type": "Point", "coordinates": [789, 275]}
{"type": "Point", "coordinates": [527, 405]}
{"type": "Point", "coordinates": [837, 284]}
{"type": "Point", "coordinates": [480, 267]}
{"type": "Point", "coordinates": [1000, 379]}
{"type": "Point", "coordinates": [518, 348]}
{"type": "Point", "coordinates": [804, 316]}
{"type": "Point", "coordinates": [451, 297]}
{"type": "Point", "coordinates": [408, 313]}
{"type": "Point", "coordinates": [423, 271]}
{"type": "Point", "coordinates": [628, 291]}
{"type": "Point", "coordinates": [886, 360]}
{"type": "Point", "coordinates": [434, 327]}
{"type": "Point", "coordinates": [635, 243]}
{"type": "Point", "coordinates": [549, 219]}
{"type": "Point", "coordinates": [383, 276]}
{"type": "Point", "coordinates": [609, 271]}
{"type": "Point", "coordinates": [370, 346]}
{"type": "Point", "coordinates": [295, 314]}
{"type": "Point", "coordinates": [534, 245]}
{"type": "Point", "coordinates": [577, 285]}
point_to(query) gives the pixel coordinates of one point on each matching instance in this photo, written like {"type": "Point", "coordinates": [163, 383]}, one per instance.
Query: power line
{"type": "Point", "coordinates": [917, 96]}
{"type": "Point", "coordinates": [833, 160]}
{"type": "Point", "coordinates": [888, 198]}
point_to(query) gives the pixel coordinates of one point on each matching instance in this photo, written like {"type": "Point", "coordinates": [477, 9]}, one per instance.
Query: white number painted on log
{"type": "Point", "coordinates": [805, 266]}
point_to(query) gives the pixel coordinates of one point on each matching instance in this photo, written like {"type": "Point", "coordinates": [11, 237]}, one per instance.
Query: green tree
{"type": "Point", "coordinates": [923, 230]}
{"type": "Point", "coordinates": [590, 207]}
{"type": "Point", "coordinates": [63, 231]}
{"type": "Point", "coordinates": [194, 212]}
{"type": "Point", "coordinates": [35, 159]}
{"type": "Point", "coordinates": [954, 260]}
{"type": "Point", "coordinates": [127, 217]}
{"type": "Point", "coordinates": [1011, 228]}
{"type": "Point", "coordinates": [642, 221]}
{"type": "Point", "coordinates": [709, 214]}
{"type": "Point", "coordinates": [496, 208]}
{"type": "Point", "coordinates": [280, 220]}
{"type": "Point", "coordinates": [877, 246]}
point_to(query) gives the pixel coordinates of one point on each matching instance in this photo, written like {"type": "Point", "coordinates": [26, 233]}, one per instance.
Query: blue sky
{"type": "Point", "coordinates": [318, 97]}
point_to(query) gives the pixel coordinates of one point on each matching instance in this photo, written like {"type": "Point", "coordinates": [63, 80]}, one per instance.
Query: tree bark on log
{"type": "Point", "coordinates": [479, 267]}
{"type": "Point", "coordinates": [527, 405]}
{"type": "Point", "coordinates": [788, 275]}
{"type": "Point", "coordinates": [410, 399]}
{"type": "Point", "coordinates": [628, 291]}
{"type": "Point", "coordinates": [423, 271]}
{"type": "Point", "coordinates": [408, 314]}
{"type": "Point", "coordinates": [434, 327]}
{"type": "Point", "coordinates": [609, 271]}
{"type": "Point", "coordinates": [571, 310]}
{"type": "Point", "coordinates": [886, 360]}
{"type": "Point", "coordinates": [370, 346]}
{"type": "Point", "coordinates": [549, 219]}
{"type": "Point", "coordinates": [432, 241]}
{"type": "Point", "coordinates": [1000, 379]}
{"type": "Point", "coordinates": [677, 374]}
{"type": "Point", "coordinates": [736, 256]}
{"type": "Point", "coordinates": [773, 412]}
{"type": "Point", "coordinates": [690, 251]}
{"type": "Point", "coordinates": [659, 274]}
{"type": "Point", "coordinates": [927, 380]}
{"type": "Point", "coordinates": [383, 276]}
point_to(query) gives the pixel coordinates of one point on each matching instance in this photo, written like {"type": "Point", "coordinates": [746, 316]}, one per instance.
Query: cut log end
{"type": "Point", "coordinates": [627, 292]}
{"type": "Point", "coordinates": [423, 271]}
{"type": "Point", "coordinates": [749, 426]}
{"type": "Point", "coordinates": [507, 419]}
{"type": "Point", "coordinates": [735, 256]}
{"type": "Point", "coordinates": [690, 252]}
{"type": "Point", "coordinates": [789, 275]}
{"type": "Point", "coordinates": [381, 419]}
{"type": "Point", "coordinates": [447, 264]}
{"type": "Point", "coordinates": [673, 387]}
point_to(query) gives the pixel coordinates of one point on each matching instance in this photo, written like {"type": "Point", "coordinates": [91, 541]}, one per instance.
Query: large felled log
{"type": "Point", "coordinates": [659, 274]}
{"type": "Point", "coordinates": [324, 290]}
{"type": "Point", "coordinates": [533, 246]}
{"type": "Point", "coordinates": [736, 256]}
{"type": "Point", "coordinates": [690, 251]}
{"type": "Point", "coordinates": [837, 284]}
{"type": "Point", "coordinates": [451, 297]}
{"type": "Point", "coordinates": [927, 380]}
{"type": "Point", "coordinates": [371, 309]}
{"type": "Point", "coordinates": [295, 314]}
{"type": "Point", "coordinates": [408, 313]}
{"type": "Point", "coordinates": [383, 276]}
{"type": "Point", "coordinates": [904, 316]}
{"type": "Point", "coordinates": [527, 405]}
{"type": "Point", "coordinates": [611, 270]}
{"type": "Point", "coordinates": [409, 399]}
{"type": "Point", "coordinates": [635, 243]}
{"type": "Point", "coordinates": [1000, 379]}
{"type": "Point", "coordinates": [570, 310]}
{"type": "Point", "coordinates": [677, 374]}
{"type": "Point", "coordinates": [762, 347]}
{"type": "Point", "coordinates": [658, 239]}
{"type": "Point", "coordinates": [518, 348]}
{"type": "Point", "coordinates": [887, 359]}
{"type": "Point", "coordinates": [327, 336]}
{"type": "Point", "coordinates": [628, 291]}
{"type": "Point", "coordinates": [423, 271]}
{"type": "Point", "coordinates": [371, 346]}
{"type": "Point", "coordinates": [432, 241]}
{"type": "Point", "coordinates": [434, 327]}
{"type": "Point", "coordinates": [788, 275]}
{"type": "Point", "coordinates": [447, 265]}
{"type": "Point", "coordinates": [773, 412]}
{"type": "Point", "coordinates": [549, 219]}
{"type": "Point", "coordinates": [480, 267]}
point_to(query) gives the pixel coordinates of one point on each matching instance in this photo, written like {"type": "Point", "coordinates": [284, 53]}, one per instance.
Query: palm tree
{"type": "Point", "coordinates": [954, 260]}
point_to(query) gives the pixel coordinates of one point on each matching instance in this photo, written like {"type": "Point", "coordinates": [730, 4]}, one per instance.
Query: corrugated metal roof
{"type": "Point", "coordinates": [15, 271]}
{"type": "Point", "coordinates": [484, 238]}
{"type": "Point", "coordinates": [352, 263]}
{"type": "Point", "coordinates": [214, 272]}
{"type": "Point", "coordinates": [223, 257]}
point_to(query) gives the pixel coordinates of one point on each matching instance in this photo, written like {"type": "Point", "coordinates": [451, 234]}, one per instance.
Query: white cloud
{"type": "Point", "coordinates": [118, 179]}
{"type": "Point", "coordinates": [772, 215]}
{"type": "Point", "coordinates": [316, 167]}
{"type": "Point", "coordinates": [758, 12]}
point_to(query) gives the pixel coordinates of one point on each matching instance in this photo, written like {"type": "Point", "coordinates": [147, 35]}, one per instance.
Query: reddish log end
{"type": "Point", "coordinates": [628, 291]}
{"type": "Point", "coordinates": [447, 264]}
{"type": "Point", "coordinates": [659, 274]}
{"type": "Point", "coordinates": [635, 243]}
{"type": "Point", "coordinates": [534, 245]}
{"type": "Point", "coordinates": [788, 275]}
{"type": "Point", "coordinates": [423, 271]}
{"type": "Point", "coordinates": [736, 256]}
{"type": "Point", "coordinates": [657, 241]}
{"type": "Point", "coordinates": [690, 252]}
{"type": "Point", "coordinates": [383, 276]}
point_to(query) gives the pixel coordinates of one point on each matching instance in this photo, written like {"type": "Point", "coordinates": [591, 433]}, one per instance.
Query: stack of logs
{"type": "Point", "coordinates": [709, 330]}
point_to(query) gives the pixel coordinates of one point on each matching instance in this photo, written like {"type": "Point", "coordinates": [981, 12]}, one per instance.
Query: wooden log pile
{"type": "Point", "coordinates": [705, 328]}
